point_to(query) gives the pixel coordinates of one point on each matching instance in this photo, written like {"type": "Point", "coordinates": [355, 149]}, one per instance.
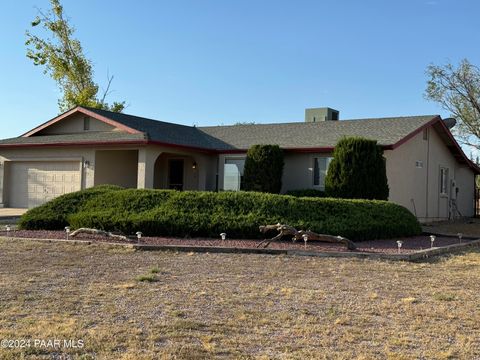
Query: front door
{"type": "Point", "coordinates": [175, 174]}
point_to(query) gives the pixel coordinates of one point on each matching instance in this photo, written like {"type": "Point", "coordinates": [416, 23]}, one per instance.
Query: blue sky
{"type": "Point", "coordinates": [215, 62]}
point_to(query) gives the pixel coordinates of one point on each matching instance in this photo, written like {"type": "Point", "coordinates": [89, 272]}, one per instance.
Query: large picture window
{"type": "Point", "coordinates": [320, 168]}
{"type": "Point", "coordinates": [233, 173]}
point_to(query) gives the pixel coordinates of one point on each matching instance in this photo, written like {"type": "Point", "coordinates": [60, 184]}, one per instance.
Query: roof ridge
{"type": "Point", "coordinates": [134, 116]}
{"type": "Point", "coordinates": [323, 122]}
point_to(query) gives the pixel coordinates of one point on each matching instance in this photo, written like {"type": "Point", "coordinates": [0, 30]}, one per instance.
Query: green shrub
{"type": "Point", "coordinates": [196, 213]}
{"type": "Point", "coordinates": [263, 169]}
{"type": "Point", "coordinates": [53, 215]}
{"type": "Point", "coordinates": [306, 193]}
{"type": "Point", "coordinates": [357, 170]}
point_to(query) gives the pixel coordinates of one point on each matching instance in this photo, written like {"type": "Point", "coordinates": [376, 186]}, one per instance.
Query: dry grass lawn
{"type": "Point", "coordinates": [145, 305]}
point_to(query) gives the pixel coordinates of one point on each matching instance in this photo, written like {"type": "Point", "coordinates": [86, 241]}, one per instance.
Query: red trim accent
{"type": "Point", "coordinates": [326, 149]}
{"type": "Point", "coordinates": [185, 147]}
{"type": "Point", "coordinates": [85, 112]}
{"type": "Point", "coordinates": [110, 143]}
{"type": "Point", "coordinates": [80, 143]}
{"type": "Point", "coordinates": [437, 120]}
{"type": "Point", "coordinates": [233, 151]}
{"type": "Point", "coordinates": [413, 133]}
{"type": "Point", "coordinates": [474, 167]}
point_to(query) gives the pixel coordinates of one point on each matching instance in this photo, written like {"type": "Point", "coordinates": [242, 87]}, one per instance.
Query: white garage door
{"type": "Point", "coordinates": [33, 183]}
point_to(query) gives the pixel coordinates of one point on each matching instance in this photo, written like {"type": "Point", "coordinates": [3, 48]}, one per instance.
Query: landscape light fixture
{"type": "Point", "coordinates": [139, 235]}
{"type": "Point", "coordinates": [432, 240]}
{"type": "Point", "coordinates": [399, 245]}
{"type": "Point", "coordinates": [223, 236]}
{"type": "Point", "coordinates": [460, 235]}
{"type": "Point", "coordinates": [67, 230]}
{"type": "Point", "coordinates": [7, 227]}
{"type": "Point", "coordinates": [305, 239]}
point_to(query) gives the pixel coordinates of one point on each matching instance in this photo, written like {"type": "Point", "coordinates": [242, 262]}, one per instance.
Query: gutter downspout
{"type": "Point", "coordinates": [428, 172]}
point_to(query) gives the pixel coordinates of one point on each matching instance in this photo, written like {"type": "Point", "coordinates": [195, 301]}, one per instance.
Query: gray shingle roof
{"type": "Point", "coordinates": [103, 137]}
{"type": "Point", "coordinates": [164, 131]}
{"type": "Point", "coordinates": [387, 131]}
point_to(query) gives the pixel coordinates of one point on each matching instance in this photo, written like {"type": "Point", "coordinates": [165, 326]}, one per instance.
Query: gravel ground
{"type": "Point", "coordinates": [387, 246]}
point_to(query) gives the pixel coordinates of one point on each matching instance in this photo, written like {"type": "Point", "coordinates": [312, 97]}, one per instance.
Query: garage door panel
{"type": "Point", "coordinates": [34, 183]}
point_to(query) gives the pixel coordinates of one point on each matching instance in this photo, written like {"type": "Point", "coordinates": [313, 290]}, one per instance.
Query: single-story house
{"type": "Point", "coordinates": [427, 171]}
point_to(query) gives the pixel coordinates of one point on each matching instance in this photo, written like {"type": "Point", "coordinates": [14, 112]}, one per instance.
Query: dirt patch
{"type": "Point", "coordinates": [235, 306]}
{"type": "Point", "coordinates": [468, 227]}
{"type": "Point", "coordinates": [388, 246]}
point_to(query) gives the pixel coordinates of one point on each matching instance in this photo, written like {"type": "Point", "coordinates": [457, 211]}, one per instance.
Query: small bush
{"type": "Point", "coordinates": [263, 169]}
{"type": "Point", "coordinates": [306, 193]}
{"type": "Point", "coordinates": [196, 213]}
{"type": "Point", "coordinates": [357, 170]}
{"type": "Point", "coordinates": [146, 278]}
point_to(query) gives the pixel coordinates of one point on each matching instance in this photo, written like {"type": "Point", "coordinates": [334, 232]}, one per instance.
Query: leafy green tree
{"type": "Point", "coordinates": [357, 170]}
{"type": "Point", "coordinates": [263, 169]}
{"type": "Point", "coordinates": [457, 90]}
{"type": "Point", "coordinates": [63, 59]}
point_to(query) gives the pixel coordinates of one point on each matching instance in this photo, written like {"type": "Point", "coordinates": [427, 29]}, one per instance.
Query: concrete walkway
{"type": "Point", "coordinates": [11, 212]}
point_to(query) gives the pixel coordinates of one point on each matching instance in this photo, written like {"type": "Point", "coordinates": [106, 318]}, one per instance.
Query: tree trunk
{"type": "Point", "coordinates": [287, 230]}
{"type": "Point", "coordinates": [97, 232]}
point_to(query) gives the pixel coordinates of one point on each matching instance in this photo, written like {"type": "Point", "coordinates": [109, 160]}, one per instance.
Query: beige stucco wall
{"type": "Point", "coordinates": [190, 175]}
{"type": "Point", "coordinates": [298, 171]}
{"type": "Point", "coordinates": [116, 167]}
{"type": "Point", "coordinates": [408, 182]}
{"type": "Point", "coordinates": [410, 186]}
{"type": "Point", "coordinates": [154, 175]}
{"type": "Point", "coordinates": [74, 124]}
{"type": "Point", "coordinates": [46, 154]}
{"type": "Point", "coordinates": [124, 166]}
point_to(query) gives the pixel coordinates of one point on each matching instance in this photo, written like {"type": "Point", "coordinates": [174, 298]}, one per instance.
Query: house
{"type": "Point", "coordinates": [427, 171]}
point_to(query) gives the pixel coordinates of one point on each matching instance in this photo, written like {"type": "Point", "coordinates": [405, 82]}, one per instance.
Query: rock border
{"type": "Point", "coordinates": [413, 257]}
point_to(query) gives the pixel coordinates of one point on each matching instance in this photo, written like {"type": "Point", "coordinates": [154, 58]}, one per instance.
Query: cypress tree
{"type": "Point", "coordinates": [263, 169]}
{"type": "Point", "coordinates": [357, 170]}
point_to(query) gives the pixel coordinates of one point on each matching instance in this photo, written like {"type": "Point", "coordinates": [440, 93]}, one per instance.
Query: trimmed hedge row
{"type": "Point", "coordinates": [306, 193]}
{"type": "Point", "coordinates": [196, 213]}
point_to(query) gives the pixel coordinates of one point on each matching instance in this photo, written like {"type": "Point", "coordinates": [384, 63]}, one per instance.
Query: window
{"type": "Point", "coordinates": [86, 123]}
{"type": "Point", "coordinates": [233, 173]}
{"type": "Point", "coordinates": [443, 181]}
{"type": "Point", "coordinates": [320, 167]}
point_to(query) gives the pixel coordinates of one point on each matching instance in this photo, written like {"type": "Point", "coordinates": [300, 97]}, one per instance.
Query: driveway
{"type": "Point", "coordinates": [9, 213]}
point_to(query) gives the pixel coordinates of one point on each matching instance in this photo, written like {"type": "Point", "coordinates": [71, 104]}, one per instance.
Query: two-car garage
{"type": "Point", "coordinates": [32, 183]}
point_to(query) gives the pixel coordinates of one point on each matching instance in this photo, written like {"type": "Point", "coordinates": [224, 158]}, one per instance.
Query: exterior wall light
{"type": "Point", "coordinates": [194, 165]}
{"type": "Point", "coordinates": [223, 236]}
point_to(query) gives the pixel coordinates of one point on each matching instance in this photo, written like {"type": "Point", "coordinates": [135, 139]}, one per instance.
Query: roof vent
{"type": "Point", "coordinates": [321, 114]}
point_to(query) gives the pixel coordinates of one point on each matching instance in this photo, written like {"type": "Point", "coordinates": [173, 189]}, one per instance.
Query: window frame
{"type": "Point", "coordinates": [235, 158]}
{"type": "Point", "coordinates": [315, 161]}
{"type": "Point", "coordinates": [444, 179]}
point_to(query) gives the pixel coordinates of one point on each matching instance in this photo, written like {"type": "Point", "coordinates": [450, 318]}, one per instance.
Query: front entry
{"type": "Point", "coordinates": [175, 174]}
